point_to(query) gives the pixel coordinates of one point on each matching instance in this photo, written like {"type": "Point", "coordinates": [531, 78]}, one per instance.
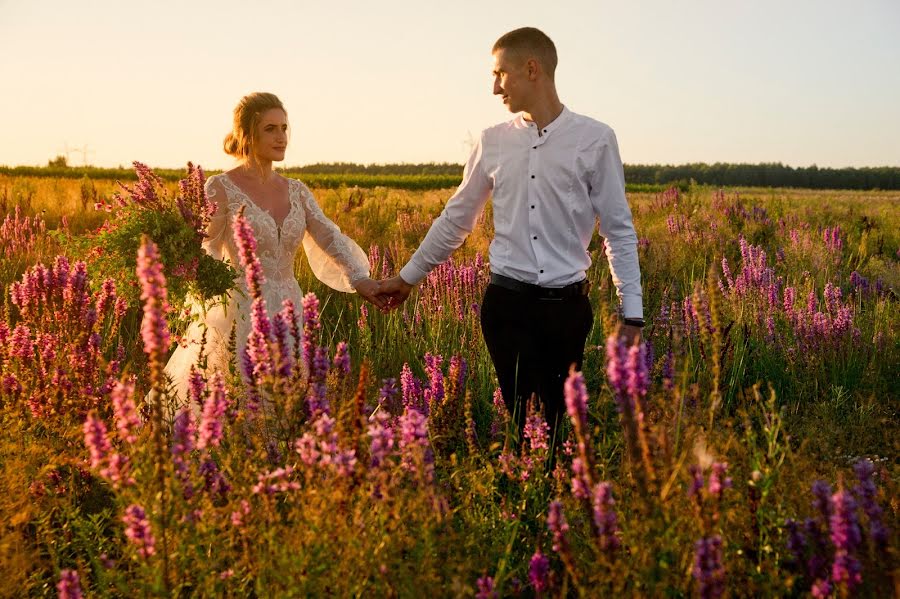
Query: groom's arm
{"type": "Point", "coordinates": [456, 221]}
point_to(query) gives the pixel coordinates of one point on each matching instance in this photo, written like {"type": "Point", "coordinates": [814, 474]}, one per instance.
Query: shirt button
{"type": "Point", "coordinates": [542, 271]}
{"type": "Point", "coordinates": [535, 236]}
{"type": "Point", "coordinates": [532, 206]}
{"type": "Point", "coordinates": [532, 176]}
{"type": "Point", "coordinates": [534, 148]}
{"type": "Point", "coordinates": [545, 130]}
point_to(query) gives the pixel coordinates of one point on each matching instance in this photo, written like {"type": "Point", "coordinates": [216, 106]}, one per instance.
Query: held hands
{"type": "Point", "coordinates": [385, 295]}
{"type": "Point", "coordinates": [371, 291]}
{"type": "Point", "coordinates": [394, 292]}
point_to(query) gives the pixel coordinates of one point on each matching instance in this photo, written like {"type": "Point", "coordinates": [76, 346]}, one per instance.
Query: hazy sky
{"type": "Point", "coordinates": [795, 81]}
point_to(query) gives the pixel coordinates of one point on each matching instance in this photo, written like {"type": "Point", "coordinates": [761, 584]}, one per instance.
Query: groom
{"type": "Point", "coordinates": [551, 173]}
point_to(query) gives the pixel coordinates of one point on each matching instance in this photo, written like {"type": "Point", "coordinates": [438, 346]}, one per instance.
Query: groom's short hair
{"type": "Point", "coordinates": [528, 42]}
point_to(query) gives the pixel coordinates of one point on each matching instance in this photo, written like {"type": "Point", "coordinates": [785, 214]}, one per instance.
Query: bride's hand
{"type": "Point", "coordinates": [370, 291]}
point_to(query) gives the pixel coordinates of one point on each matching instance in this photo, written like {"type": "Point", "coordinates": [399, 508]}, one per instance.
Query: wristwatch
{"type": "Point", "coordinates": [634, 322]}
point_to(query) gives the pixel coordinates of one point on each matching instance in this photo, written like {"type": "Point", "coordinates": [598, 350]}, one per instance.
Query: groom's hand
{"type": "Point", "coordinates": [395, 291]}
{"type": "Point", "coordinates": [371, 291]}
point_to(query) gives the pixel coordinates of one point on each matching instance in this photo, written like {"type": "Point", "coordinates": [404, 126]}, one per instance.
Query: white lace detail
{"type": "Point", "coordinates": [334, 258]}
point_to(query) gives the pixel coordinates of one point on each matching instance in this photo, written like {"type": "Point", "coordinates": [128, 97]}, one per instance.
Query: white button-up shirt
{"type": "Point", "coordinates": [548, 188]}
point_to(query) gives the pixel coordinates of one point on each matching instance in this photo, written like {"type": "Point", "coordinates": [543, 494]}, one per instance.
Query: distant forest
{"type": "Point", "coordinates": [440, 175]}
{"type": "Point", "coordinates": [772, 174]}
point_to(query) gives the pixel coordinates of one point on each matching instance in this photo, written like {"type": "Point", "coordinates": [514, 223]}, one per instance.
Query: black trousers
{"type": "Point", "coordinates": [533, 343]}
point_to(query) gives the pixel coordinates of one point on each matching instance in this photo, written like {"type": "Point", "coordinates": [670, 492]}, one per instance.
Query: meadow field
{"type": "Point", "coordinates": [748, 447]}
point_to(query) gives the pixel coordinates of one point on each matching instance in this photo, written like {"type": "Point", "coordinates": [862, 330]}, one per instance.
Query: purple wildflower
{"type": "Point", "coordinates": [344, 461]}
{"type": "Point", "coordinates": [137, 530]}
{"type": "Point", "coordinates": [289, 316]}
{"type": "Point", "coordinates": [237, 516]}
{"type": "Point", "coordinates": [866, 492]}
{"type": "Point", "coordinates": [559, 528]}
{"type": "Point", "coordinates": [845, 535]}
{"type": "Point", "coordinates": [382, 437]}
{"type": "Point", "coordinates": [434, 393]}
{"type": "Point", "coordinates": [182, 445]}
{"type": "Point", "coordinates": [605, 519]}
{"type": "Point", "coordinates": [536, 430]}
{"type": "Point", "coordinates": [817, 564]}
{"type": "Point", "coordinates": [709, 572]}
{"type": "Point", "coordinates": [410, 387]}
{"type": "Point", "coordinates": [388, 392]}
{"type": "Point", "coordinates": [539, 572]}
{"type": "Point", "coordinates": [501, 414]}
{"type": "Point", "coordinates": [342, 358]}
{"type": "Point", "coordinates": [311, 326]}
{"type": "Point", "coordinates": [486, 588]}
{"type": "Point", "coordinates": [697, 482]}
{"type": "Point", "coordinates": [414, 443]}
{"type": "Point", "coordinates": [821, 491]}
{"type": "Point", "coordinates": [576, 400]}
{"type": "Point", "coordinates": [96, 440]}
{"type": "Point", "coordinates": [363, 320]}
{"type": "Point", "coordinates": [796, 542]}
{"type": "Point", "coordinates": [116, 470]}
{"type": "Point", "coordinates": [196, 386]}
{"type": "Point", "coordinates": [821, 589]}
{"type": "Point", "coordinates": [69, 586]}
{"type": "Point", "coordinates": [307, 447]}
{"type": "Point", "coordinates": [726, 272]}
{"type": "Point", "coordinates": [790, 296]}
{"type": "Point", "coordinates": [580, 480]}
{"type": "Point", "coordinates": [127, 420]}
{"type": "Point", "coordinates": [276, 481]}
{"type": "Point", "coordinates": [154, 328]}
{"type": "Point", "coordinates": [616, 360]}
{"type": "Point", "coordinates": [718, 482]}
{"type": "Point", "coordinates": [246, 245]}
{"type": "Point", "coordinates": [20, 343]}
{"type": "Point", "coordinates": [638, 380]}
{"type": "Point", "coordinates": [456, 377]}
{"type": "Point", "coordinates": [213, 411]}
{"type": "Point", "coordinates": [257, 350]}
{"type": "Point", "coordinates": [214, 481]}
{"type": "Point", "coordinates": [316, 399]}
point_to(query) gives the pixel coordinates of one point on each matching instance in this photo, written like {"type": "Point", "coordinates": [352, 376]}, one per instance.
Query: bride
{"type": "Point", "coordinates": [283, 214]}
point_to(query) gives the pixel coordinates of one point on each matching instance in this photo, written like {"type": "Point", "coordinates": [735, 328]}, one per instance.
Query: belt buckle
{"type": "Point", "coordinates": [552, 295]}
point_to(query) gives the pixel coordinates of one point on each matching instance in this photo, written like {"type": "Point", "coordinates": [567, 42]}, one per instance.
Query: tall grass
{"type": "Point", "coordinates": [747, 447]}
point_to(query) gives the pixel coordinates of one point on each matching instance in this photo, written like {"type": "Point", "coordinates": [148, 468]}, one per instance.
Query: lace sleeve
{"type": "Point", "coordinates": [216, 232]}
{"type": "Point", "coordinates": [334, 258]}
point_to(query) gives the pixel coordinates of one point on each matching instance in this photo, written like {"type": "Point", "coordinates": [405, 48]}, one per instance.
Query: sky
{"type": "Point", "coordinates": [799, 82]}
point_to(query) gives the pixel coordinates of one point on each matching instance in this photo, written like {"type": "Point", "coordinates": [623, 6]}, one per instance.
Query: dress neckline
{"type": "Point", "coordinates": [260, 208]}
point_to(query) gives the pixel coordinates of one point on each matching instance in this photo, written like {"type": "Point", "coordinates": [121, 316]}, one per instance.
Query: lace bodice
{"type": "Point", "coordinates": [334, 258]}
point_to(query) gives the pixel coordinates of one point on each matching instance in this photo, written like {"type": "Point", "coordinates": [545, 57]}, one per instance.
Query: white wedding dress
{"type": "Point", "coordinates": [334, 258]}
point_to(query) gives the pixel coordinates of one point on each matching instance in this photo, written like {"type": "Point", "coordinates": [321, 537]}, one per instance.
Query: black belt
{"type": "Point", "coordinates": [538, 292]}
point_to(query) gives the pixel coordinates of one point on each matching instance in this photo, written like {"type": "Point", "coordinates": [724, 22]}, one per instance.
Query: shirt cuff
{"type": "Point", "coordinates": [411, 274]}
{"type": "Point", "coordinates": [632, 306]}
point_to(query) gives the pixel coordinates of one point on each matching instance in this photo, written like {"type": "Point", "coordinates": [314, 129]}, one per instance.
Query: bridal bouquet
{"type": "Point", "coordinates": [176, 222]}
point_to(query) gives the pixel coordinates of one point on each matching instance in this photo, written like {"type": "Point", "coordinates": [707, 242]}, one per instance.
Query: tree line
{"type": "Point", "coordinates": [772, 174]}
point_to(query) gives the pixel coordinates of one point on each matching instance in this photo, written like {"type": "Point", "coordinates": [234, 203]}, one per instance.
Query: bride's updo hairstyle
{"type": "Point", "coordinates": [239, 143]}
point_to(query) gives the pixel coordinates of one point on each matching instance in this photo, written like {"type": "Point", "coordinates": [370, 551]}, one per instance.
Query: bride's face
{"type": "Point", "coordinates": [271, 136]}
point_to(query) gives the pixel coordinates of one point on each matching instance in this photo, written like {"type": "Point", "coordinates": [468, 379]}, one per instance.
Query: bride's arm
{"type": "Point", "coordinates": [217, 231]}
{"type": "Point", "coordinates": [334, 258]}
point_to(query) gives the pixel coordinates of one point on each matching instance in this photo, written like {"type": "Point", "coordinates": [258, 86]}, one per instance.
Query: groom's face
{"type": "Point", "coordinates": [510, 80]}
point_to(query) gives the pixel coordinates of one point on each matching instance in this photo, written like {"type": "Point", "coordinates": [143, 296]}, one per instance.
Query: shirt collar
{"type": "Point", "coordinates": [561, 118]}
